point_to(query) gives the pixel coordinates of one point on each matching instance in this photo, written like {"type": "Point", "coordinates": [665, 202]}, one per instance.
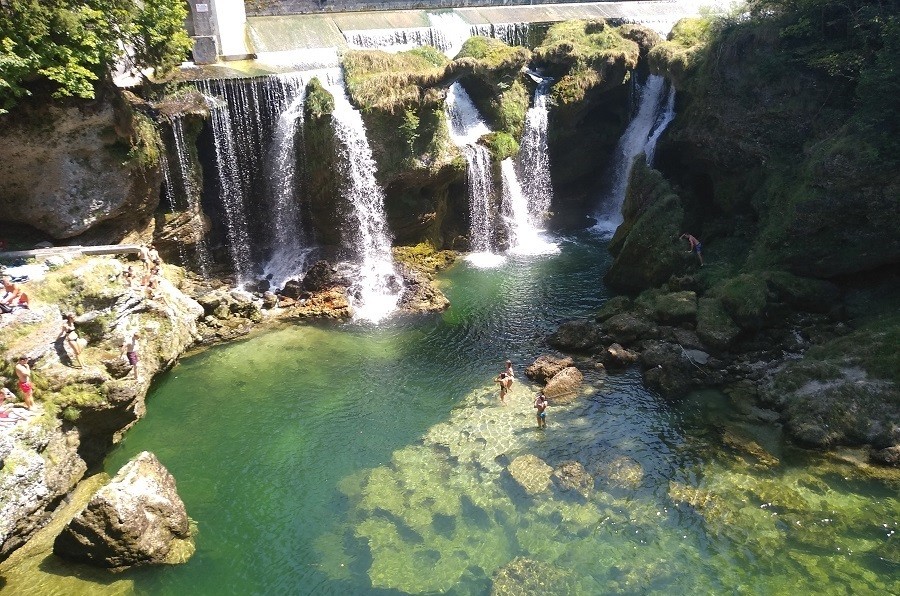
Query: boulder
{"type": "Point", "coordinates": [293, 289]}
{"type": "Point", "coordinates": [676, 307]}
{"type": "Point", "coordinates": [531, 473]}
{"type": "Point", "coordinates": [572, 476]}
{"type": "Point", "coordinates": [668, 369]}
{"type": "Point", "coordinates": [136, 519]}
{"type": "Point", "coordinates": [319, 277]}
{"type": "Point", "coordinates": [576, 336]}
{"type": "Point", "coordinates": [545, 367]}
{"type": "Point", "coordinates": [615, 356]}
{"type": "Point", "coordinates": [621, 472]}
{"type": "Point", "coordinates": [715, 328]}
{"type": "Point", "coordinates": [627, 328]}
{"type": "Point", "coordinates": [270, 300]}
{"type": "Point", "coordinates": [563, 387]}
{"type": "Point", "coordinates": [612, 307]}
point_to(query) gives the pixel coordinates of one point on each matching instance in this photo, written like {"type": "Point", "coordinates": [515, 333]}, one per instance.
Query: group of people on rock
{"type": "Point", "coordinates": [505, 380]}
{"type": "Point", "coordinates": [13, 296]}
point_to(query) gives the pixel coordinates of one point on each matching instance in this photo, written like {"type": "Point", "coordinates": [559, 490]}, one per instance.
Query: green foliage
{"type": "Point", "coordinates": [679, 53]}
{"type": "Point", "coordinates": [319, 102]}
{"type": "Point", "coordinates": [409, 129]}
{"type": "Point", "coordinates": [146, 143]}
{"type": "Point", "coordinates": [73, 44]}
{"type": "Point", "coordinates": [581, 54]}
{"type": "Point", "coordinates": [493, 54]}
{"type": "Point", "coordinates": [501, 145]}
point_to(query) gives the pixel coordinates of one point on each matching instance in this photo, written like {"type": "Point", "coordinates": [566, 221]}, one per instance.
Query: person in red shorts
{"type": "Point", "coordinates": [23, 371]}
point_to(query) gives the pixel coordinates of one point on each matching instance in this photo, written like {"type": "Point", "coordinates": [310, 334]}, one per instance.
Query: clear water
{"type": "Point", "coordinates": [371, 460]}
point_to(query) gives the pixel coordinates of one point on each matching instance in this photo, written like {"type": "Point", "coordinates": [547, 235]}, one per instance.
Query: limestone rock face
{"type": "Point", "coordinates": [546, 367]}
{"type": "Point", "coordinates": [137, 519]}
{"type": "Point", "coordinates": [563, 387]}
{"type": "Point", "coordinates": [66, 169]}
{"type": "Point", "coordinates": [531, 473]}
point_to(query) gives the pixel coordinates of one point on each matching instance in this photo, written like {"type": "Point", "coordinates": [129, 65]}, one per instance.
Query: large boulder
{"type": "Point", "coordinates": [627, 328]}
{"type": "Point", "coordinates": [531, 473]}
{"type": "Point", "coordinates": [136, 519]}
{"type": "Point", "coordinates": [319, 277]}
{"type": "Point", "coordinates": [546, 367]}
{"type": "Point", "coordinates": [563, 387]}
{"type": "Point", "coordinates": [715, 327]}
{"type": "Point", "coordinates": [576, 336]}
{"type": "Point", "coordinates": [615, 356]}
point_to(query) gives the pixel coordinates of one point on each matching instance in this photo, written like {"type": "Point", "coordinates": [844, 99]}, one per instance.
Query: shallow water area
{"type": "Point", "coordinates": [359, 459]}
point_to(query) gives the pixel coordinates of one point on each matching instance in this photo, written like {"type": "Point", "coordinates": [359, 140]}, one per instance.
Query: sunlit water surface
{"type": "Point", "coordinates": [354, 459]}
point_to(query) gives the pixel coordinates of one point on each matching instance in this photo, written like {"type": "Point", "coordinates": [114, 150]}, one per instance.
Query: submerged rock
{"type": "Point", "coordinates": [622, 472]}
{"type": "Point", "coordinates": [572, 476]}
{"type": "Point", "coordinates": [136, 519]}
{"type": "Point", "coordinates": [531, 473]}
{"type": "Point", "coordinates": [526, 576]}
{"type": "Point", "coordinates": [545, 367]}
{"type": "Point", "coordinates": [563, 387]}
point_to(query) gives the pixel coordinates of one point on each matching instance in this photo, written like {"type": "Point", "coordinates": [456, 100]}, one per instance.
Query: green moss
{"type": "Point", "coordinates": [584, 55]}
{"type": "Point", "coordinates": [319, 102]}
{"type": "Point", "coordinates": [146, 143]}
{"type": "Point", "coordinates": [424, 257]}
{"type": "Point", "coordinates": [501, 145]}
{"type": "Point", "coordinates": [715, 327]}
{"type": "Point", "coordinates": [873, 346]}
{"type": "Point", "coordinates": [493, 54]}
{"type": "Point", "coordinates": [746, 298]}
{"type": "Point", "coordinates": [680, 52]}
{"type": "Point", "coordinates": [391, 82]}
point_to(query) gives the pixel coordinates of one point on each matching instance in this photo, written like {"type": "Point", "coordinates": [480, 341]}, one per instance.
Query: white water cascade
{"type": "Point", "coordinates": [466, 127]}
{"type": "Point", "coordinates": [668, 114]}
{"type": "Point", "coordinates": [534, 168]}
{"type": "Point", "coordinates": [450, 32]}
{"type": "Point", "coordinates": [231, 187]}
{"type": "Point", "coordinates": [191, 194]}
{"type": "Point", "coordinates": [447, 33]}
{"type": "Point", "coordinates": [634, 140]}
{"type": "Point", "coordinates": [377, 288]}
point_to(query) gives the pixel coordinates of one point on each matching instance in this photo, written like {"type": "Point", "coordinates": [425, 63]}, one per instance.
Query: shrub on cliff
{"type": "Point", "coordinates": [392, 82]}
{"type": "Point", "coordinates": [74, 44]}
{"type": "Point", "coordinates": [584, 55]}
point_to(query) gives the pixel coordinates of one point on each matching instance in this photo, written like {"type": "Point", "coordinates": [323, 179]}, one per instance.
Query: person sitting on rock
{"type": "Point", "coordinates": [6, 409]}
{"type": "Point", "coordinates": [695, 246]}
{"type": "Point", "coordinates": [13, 297]}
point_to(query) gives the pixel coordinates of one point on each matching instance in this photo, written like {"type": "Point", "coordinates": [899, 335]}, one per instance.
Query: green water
{"type": "Point", "coordinates": [358, 460]}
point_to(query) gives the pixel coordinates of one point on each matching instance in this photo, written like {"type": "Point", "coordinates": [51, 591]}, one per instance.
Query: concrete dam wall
{"type": "Point", "coordinates": [287, 7]}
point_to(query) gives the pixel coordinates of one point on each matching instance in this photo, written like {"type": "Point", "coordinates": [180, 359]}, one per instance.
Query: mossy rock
{"type": "Point", "coordinates": [614, 306]}
{"type": "Point", "coordinates": [392, 82]}
{"type": "Point", "coordinates": [645, 245]}
{"type": "Point", "coordinates": [715, 327]}
{"type": "Point", "coordinates": [746, 298]}
{"type": "Point", "coordinates": [670, 307]}
{"type": "Point", "coordinates": [501, 145]}
{"type": "Point", "coordinates": [326, 213]}
{"type": "Point", "coordinates": [813, 295]}
{"type": "Point", "coordinates": [679, 53]}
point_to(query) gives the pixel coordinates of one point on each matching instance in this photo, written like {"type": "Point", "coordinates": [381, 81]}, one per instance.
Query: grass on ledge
{"type": "Point", "coordinates": [390, 82]}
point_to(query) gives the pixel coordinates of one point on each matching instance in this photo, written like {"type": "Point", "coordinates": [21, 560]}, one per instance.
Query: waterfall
{"type": "Point", "coordinates": [253, 123]}
{"type": "Point", "coordinates": [377, 288]}
{"type": "Point", "coordinates": [450, 32]}
{"type": "Point", "coordinates": [391, 40]}
{"type": "Point", "coordinates": [668, 114]}
{"type": "Point", "coordinates": [192, 196]}
{"type": "Point", "coordinates": [466, 127]}
{"type": "Point", "coordinates": [633, 141]}
{"type": "Point", "coordinates": [525, 206]}
{"type": "Point", "coordinates": [169, 190]}
{"type": "Point", "coordinates": [514, 34]}
{"type": "Point", "coordinates": [290, 244]}
{"type": "Point", "coordinates": [231, 186]}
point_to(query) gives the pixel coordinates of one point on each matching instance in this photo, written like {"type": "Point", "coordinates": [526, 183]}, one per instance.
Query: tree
{"type": "Point", "coordinates": [74, 44]}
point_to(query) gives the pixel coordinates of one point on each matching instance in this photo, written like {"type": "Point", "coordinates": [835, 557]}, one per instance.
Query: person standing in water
{"type": "Point", "coordinates": [504, 383]}
{"type": "Point", "coordinates": [695, 246]}
{"type": "Point", "coordinates": [540, 404]}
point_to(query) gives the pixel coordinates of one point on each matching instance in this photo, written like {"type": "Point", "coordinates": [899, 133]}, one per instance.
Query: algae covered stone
{"type": "Point", "coordinates": [531, 473]}
{"type": "Point", "coordinates": [563, 387]}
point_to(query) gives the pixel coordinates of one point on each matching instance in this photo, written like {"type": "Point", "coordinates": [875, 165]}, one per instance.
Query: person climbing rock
{"type": "Point", "coordinates": [696, 247]}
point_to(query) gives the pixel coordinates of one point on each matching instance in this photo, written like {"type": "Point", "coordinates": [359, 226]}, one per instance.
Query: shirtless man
{"type": "Point", "coordinates": [504, 382]}
{"type": "Point", "coordinates": [13, 296]}
{"type": "Point", "coordinates": [130, 352]}
{"type": "Point", "coordinates": [695, 246]}
{"type": "Point", "coordinates": [540, 404]}
{"type": "Point", "coordinates": [23, 371]}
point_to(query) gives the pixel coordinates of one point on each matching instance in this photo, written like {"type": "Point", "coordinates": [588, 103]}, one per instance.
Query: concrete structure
{"type": "Point", "coordinates": [259, 8]}
{"type": "Point", "coordinates": [218, 28]}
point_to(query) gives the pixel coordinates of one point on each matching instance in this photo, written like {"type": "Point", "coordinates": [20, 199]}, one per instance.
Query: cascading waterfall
{"type": "Point", "coordinates": [192, 197]}
{"type": "Point", "coordinates": [169, 190]}
{"type": "Point", "coordinates": [633, 141]}
{"type": "Point", "coordinates": [231, 188]}
{"type": "Point", "coordinates": [377, 289]}
{"type": "Point", "coordinates": [450, 32]}
{"type": "Point", "coordinates": [514, 34]}
{"type": "Point", "coordinates": [668, 114]}
{"type": "Point", "coordinates": [290, 244]}
{"type": "Point", "coordinates": [466, 127]}
{"type": "Point", "coordinates": [525, 206]}
{"type": "Point", "coordinates": [245, 115]}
